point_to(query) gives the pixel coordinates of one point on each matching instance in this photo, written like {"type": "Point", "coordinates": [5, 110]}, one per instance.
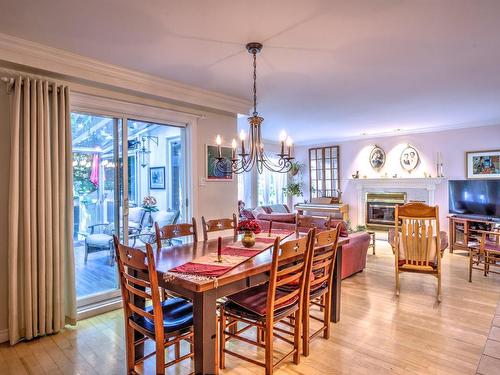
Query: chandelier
{"type": "Point", "coordinates": [253, 156]}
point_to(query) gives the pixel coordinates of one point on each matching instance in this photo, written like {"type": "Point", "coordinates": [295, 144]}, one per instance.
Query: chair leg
{"type": "Point", "coordinates": [439, 297]}
{"type": "Point", "coordinates": [269, 349]}
{"type": "Point", "coordinates": [305, 328]}
{"type": "Point", "coordinates": [86, 254]}
{"type": "Point", "coordinates": [160, 358]}
{"type": "Point", "coordinates": [471, 262]}
{"type": "Point", "coordinates": [130, 352]}
{"type": "Point", "coordinates": [397, 282]}
{"type": "Point", "coordinates": [485, 264]}
{"type": "Point", "coordinates": [327, 316]}
{"type": "Point", "coordinates": [222, 339]}
{"type": "Point", "coordinates": [296, 336]}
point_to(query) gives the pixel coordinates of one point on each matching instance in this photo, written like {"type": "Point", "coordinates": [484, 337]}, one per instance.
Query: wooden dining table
{"type": "Point", "coordinates": [204, 293]}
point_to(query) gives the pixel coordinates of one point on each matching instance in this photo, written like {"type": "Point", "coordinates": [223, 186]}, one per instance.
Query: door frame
{"type": "Point", "coordinates": [122, 110]}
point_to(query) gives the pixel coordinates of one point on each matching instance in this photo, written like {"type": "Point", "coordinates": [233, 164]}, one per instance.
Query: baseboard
{"type": "Point", "coordinates": [4, 335]}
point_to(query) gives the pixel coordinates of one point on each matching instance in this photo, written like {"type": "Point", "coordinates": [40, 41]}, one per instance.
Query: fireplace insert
{"type": "Point", "coordinates": [380, 208]}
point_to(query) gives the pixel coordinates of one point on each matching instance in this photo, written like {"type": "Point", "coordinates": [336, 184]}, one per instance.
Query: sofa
{"type": "Point", "coordinates": [353, 253]}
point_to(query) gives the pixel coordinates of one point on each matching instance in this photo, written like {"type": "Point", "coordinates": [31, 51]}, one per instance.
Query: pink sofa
{"type": "Point", "coordinates": [353, 253]}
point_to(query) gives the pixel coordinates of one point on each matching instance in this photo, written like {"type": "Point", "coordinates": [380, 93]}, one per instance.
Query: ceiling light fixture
{"type": "Point", "coordinates": [254, 155]}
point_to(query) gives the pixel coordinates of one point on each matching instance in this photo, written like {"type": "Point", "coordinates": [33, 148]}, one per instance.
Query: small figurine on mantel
{"type": "Point", "coordinates": [395, 175]}
{"type": "Point", "coordinates": [355, 175]}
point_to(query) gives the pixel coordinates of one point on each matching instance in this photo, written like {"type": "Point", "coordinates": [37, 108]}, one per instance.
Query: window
{"type": "Point", "coordinates": [270, 188]}
{"type": "Point", "coordinates": [324, 171]}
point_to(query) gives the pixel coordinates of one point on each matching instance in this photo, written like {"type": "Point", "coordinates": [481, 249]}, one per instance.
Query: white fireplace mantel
{"type": "Point", "coordinates": [364, 185]}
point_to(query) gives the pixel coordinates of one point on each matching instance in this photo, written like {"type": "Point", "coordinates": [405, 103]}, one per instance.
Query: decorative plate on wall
{"type": "Point", "coordinates": [377, 158]}
{"type": "Point", "coordinates": [409, 158]}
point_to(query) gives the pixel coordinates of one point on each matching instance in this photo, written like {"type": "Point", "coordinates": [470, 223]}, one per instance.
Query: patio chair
{"type": "Point", "coordinates": [100, 238]}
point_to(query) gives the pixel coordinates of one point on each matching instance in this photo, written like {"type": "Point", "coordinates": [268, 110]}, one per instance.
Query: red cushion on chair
{"type": "Point", "coordinates": [255, 299]}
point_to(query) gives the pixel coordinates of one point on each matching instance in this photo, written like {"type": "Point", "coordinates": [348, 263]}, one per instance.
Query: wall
{"type": "Point", "coordinates": [4, 193]}
{"type": "Point", "coordinates": [452, 144]}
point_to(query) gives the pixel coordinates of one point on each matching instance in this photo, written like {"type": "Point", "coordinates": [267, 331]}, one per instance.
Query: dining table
{"type": "Point", "coordinates": [204, 292]}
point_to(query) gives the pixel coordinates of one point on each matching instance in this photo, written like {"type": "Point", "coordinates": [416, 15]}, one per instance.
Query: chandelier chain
{"type": "Point", "coordinates": [254, 83]}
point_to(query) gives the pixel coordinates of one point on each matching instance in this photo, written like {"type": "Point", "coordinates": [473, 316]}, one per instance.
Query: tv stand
{"type": "Point", "coordinates": [463, 230]}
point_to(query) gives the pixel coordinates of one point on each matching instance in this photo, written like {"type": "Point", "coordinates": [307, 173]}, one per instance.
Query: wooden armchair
{"type": "Point", "coordinates": [216, 225]}
{"type": "Point", "coordinates": [417, 242]}
{"type": "Point", "coordinates": [489, 245]}
{"type": "Point", "coordinates": [166, 323]}
{"type": "Point", "coordinates": [171, 231]}
{"type": "Point", "coordinates": [306, 221]}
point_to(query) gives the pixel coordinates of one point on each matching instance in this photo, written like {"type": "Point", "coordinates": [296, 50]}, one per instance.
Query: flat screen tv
{"type": "Point", "coordinates": [474, 197]}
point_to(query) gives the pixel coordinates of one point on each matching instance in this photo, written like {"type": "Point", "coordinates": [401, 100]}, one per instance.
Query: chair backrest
{"type": "Point", "coordinates": [306, 221]}
{"type": "Point", "coordinates": [132, 261]}
{"type": "Point", "coordinates": [167, 232]}
{"type": "Point", "coordinates": [322, 262]}
{"type": "Point", "coordinates": [292, 258]}
{"type": "Point", "coordinates": [215, 225]}
{"type": "Point", "coordinates": [489, 239]}
{"type": "Point", "coordinates": [417, 239]}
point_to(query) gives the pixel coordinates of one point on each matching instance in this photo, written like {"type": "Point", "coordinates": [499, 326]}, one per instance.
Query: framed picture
{"type": "Point", "coordinates": [377, 158]}
{"type": "Point", "coordinates": [409, 158]}
{"type": "Point", "coordinates": [214, 172]}
{"type": "Point", "coordinates": [157, 178]}
{"type": "Point", "coordinates": [482, 164]}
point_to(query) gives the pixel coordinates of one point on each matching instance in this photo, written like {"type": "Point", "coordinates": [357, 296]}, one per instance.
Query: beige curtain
{"type": "Point", "coordinates": [41, 268]}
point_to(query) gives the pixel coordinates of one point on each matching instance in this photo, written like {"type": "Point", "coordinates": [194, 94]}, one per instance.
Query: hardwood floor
{"type": "Point", "coordinates": [378, 333]}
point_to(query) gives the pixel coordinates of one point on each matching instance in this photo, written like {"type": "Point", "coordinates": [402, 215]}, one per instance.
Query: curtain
{"type": "Point", "coordinates": [42, 297]}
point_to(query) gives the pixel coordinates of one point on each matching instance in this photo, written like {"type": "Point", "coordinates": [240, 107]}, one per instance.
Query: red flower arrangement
{"type": "Point", "coordinates": [249, 226]}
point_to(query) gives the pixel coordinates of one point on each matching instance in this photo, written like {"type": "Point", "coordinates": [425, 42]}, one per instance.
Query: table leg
{"type": "Point", "coordinates": [205, 329]}
{"type": "Point", "coordinates": [336, 291]}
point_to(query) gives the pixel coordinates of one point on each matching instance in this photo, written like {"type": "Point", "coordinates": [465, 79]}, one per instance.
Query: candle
{"type": "Point", "coordinates": [289, 143]}
{"type": "Point", "coordinates": [270, 227]}
{"type": "Point", "coordinates": [242, 138]}
{"type": "Point", "coordinates": [219, 249]}
{"type": "Point", "coordinates": [233, 145]}
{"type": "Point", "coordinates": [218, 142]}
{"type": "Point", "coordinates": [283, 138]}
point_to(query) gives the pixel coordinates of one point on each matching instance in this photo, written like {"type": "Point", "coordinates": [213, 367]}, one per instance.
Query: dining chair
{"type": "Point", "coordinates": [266, 304]}
{"type": "Point", "coordinates": [417, 242]}
{"type": "Point", "coordinates": [308, 222]}
{"type": "Point", "coordinates": [215, 225]}
{"type": "Point", "coordinates": [166, 323]}
{"type": "Point", "coordinates": [171, 231]}
{"type": "Point", "coordinates": [318, 285]}
{"type": "Point", "coordinates": [489, 245]}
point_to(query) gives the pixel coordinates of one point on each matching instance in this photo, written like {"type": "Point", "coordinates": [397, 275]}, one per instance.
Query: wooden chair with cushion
{"type": "Point", "coordinates": [267, 304]}
{"type": "Point", "coordinates": [216, 225]}
{"type": "Point", "coordinates": [167, 323]}
{"type": "Point", "coordinates": [417, 241]}
{"type": "Point", "coordinates": [489, 245]}
{"type": "Point", "coordinates": [169, 232]}
{"type": "Point", "coordinates": [306, 221]}
{"type": "Point", "coordinates": [319, 282]}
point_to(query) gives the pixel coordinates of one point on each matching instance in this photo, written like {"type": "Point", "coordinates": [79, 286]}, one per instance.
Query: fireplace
{"type": "Point", "coordinates": [380, 208]}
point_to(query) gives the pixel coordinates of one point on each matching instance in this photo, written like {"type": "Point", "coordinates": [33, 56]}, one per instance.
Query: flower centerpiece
{"type": "Point", "coordinates": [149, 204]}
{"type": "Point", "coordinates": [249, 229]}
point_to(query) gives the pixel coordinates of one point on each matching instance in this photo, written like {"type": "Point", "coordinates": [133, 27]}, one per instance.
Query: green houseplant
{"type": "Point", "coordinates": [293, 189]}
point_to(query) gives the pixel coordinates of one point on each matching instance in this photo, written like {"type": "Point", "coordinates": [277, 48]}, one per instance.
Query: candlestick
{"type": "Point", "coordinates": [233, 145]}
{"type": "Point", "coordinates": [219, 249]}
{"type": "Point", "coordinates": [283, 139]}
{"type": "Point", "coordinates": [242, 138]}
{"type": "Point", "coordinates": [270, 228]}
{"type": "Point", "coordinates": [218, 142]}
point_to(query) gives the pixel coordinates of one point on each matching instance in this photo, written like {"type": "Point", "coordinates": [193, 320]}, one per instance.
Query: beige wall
{"type": "Point", "coordinates": [4, 191]}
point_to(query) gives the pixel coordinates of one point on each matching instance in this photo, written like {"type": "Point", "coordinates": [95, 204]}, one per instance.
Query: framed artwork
{"type": "Point", "coordinates": [482, 164]}
{"type": "Point", "coordinates": [213, 173]}
{"type": "Point", "coordinates": [409, 158]}
{"type": "Point", "coordinates": [377, 158]}
{"type": "Point", "coordinates": [157, 178]}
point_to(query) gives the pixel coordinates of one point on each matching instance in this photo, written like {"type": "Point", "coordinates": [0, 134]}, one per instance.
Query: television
{"type": "Point", "coordinates": [474, 197]}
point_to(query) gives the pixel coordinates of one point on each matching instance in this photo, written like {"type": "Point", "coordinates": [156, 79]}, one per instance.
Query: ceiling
{"type": "Point", "coordinates": [328, 70]}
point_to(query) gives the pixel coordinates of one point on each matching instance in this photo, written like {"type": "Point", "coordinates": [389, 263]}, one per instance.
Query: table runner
{"type": "Point", "coordinates": [233, 254]}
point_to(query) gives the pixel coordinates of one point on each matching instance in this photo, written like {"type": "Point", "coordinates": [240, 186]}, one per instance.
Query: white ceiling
{"type": "Point", "coordinates": [329, 69]}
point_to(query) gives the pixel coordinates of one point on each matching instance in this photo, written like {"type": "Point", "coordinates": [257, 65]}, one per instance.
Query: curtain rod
{"type": "Point", "coordinates": [9, 82]}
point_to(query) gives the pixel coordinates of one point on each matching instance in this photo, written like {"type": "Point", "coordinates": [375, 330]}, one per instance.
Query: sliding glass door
{"type": "Point", "coordinates": [150, 183]}
{"type": "Point", "coordinates": [96, 202]}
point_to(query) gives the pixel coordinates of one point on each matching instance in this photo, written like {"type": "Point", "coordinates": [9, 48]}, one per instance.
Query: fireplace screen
{"type": "Point", "coordinates": [380, 208]}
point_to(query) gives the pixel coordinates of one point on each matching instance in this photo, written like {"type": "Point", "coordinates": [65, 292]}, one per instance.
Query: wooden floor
{"type": "Point", "coordinates": [378, 333]}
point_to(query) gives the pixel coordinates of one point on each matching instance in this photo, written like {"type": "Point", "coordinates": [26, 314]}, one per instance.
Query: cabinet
{"type": "Point", "coordinates": [463, 232]}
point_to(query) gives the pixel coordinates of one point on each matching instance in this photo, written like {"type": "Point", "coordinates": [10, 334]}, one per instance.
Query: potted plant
{"type": "Point", "coordinates": [293, 189]}
{"type": "Point", "coordinates": [249, 229]}
{"type": "Point", "coordinates": [296, 168]}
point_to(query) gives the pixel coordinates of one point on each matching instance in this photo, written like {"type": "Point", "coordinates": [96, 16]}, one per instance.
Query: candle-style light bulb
{"type": "Point", "coordinates": [242, 138]}
{"type": "Point", "coordinates": [218, 142]}
{"type": "Point", "coordinates": [283, 138]}
{"type": "Point", "coordinates": [242, 135]}
{"type": "Point", "coordinates": [234, 145]}
{"type": "Point", "coordinates": [289, 143]}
